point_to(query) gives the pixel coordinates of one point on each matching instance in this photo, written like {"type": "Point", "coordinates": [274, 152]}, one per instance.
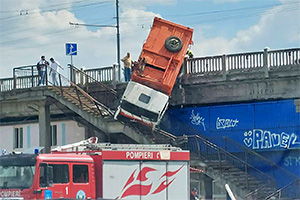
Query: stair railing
{"type": "Point", "coordinates": [206, 150]}
{"type": "Point", "coordinates": [65, 83]}
{"type": "Point", "coordinates": [85, 79]}
{"type": "Point", "coordinates": [89, 79]}
{"type": "Point", "coordinates": [251, 155]}
{"type": "Point", "coordinates": [255, 159]}
{"type": "Point", "coordinates": [290, 191]}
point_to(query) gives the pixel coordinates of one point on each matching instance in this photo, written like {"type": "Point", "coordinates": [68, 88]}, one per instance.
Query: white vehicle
{"type": "Point", "coordinates": [143, 104]}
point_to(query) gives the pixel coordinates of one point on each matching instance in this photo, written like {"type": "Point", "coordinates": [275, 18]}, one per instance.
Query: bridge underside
{"type": "Point", "coordinates": [36, 105]}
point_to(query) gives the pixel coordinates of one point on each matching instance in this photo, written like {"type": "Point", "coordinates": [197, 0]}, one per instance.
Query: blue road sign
{"type": "Point", "coordinates": [71, 49]}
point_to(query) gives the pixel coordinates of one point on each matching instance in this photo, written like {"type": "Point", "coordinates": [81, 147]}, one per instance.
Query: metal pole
{"type": "Point", "coordinates": [71, 60]}
{"type": "Point", "coordinates": [118, 39]}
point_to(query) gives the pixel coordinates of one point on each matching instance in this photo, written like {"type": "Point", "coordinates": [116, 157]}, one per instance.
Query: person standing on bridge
{"type": "Point", "coordinates": [54, 69]}
{"type": "Point", "coordinates": [127, 67]}
{"type": "Point", "coordinates": [41, 67]}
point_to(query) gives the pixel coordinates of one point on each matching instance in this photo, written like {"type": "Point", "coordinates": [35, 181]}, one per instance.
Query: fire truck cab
{"type": "Point", "coordinates": [105, 171]}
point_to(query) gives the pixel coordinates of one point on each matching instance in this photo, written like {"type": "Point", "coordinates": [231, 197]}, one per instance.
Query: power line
{"type": "Point", "coordinates": [53, 9]}
{"type": "Point", "coordinates": [31, 25]}
{"type": "Point", "coordinates": [210, 19]}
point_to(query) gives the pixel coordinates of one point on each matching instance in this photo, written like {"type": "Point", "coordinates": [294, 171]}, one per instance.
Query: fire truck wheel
{"type": "Point", "coordinates": [173, 44]}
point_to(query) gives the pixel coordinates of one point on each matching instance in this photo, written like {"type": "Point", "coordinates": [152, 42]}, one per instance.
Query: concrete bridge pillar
{"type": "Point", "coordinates": [44, 127]}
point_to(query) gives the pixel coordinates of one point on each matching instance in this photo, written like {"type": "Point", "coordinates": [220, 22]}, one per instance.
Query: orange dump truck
{"type": "Point", "coordinates": [147, 94]}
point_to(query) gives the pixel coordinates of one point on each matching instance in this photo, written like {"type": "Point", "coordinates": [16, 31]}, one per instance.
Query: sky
{"type": "Point", "coordinates": [31, 28]}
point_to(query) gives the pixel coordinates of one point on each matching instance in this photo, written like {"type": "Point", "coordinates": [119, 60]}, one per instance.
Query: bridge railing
{"type": "Point", "coordinates": [23, 77]}
{"type": "Point", "coordinates": [103, 74]}
{"type": "Point", "coordinates": [27, 76]}
{"type": "Point", "coordinates": [6, 84]}
{"type": "Point", "coordinates": [204, 65]}
{"type": "Point", "coordinates": [243, 62]}
{"type": "Point", "coordinates": [284, 57]}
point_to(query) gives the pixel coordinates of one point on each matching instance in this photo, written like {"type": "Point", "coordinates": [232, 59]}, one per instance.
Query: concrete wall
{"type": "Point", "coordinates": [67, 132]}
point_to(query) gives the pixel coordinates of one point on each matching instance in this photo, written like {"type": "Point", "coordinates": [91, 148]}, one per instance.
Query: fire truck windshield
{"type": "Point", "coordinates": [17, 171]}
{"type": "Point", "coordinates": [20, 177]}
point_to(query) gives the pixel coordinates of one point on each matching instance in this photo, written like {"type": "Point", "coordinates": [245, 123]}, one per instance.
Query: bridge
{"type": "Point", "coordinates": [91, 96]}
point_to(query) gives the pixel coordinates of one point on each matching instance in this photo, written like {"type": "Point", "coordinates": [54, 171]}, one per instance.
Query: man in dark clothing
{"type": "Point", "coordinates": [41, 67]}
{"type": "Point", "coordinates": [193, 195]}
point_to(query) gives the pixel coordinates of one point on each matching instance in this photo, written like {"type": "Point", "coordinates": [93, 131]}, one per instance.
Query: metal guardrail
{"type": "Point", "coordinates": [261, 60]}
{"type": "Point", "coordinates": [103, 74]}
{"type": "Point", "coordinates": [27, 77]}
{"type": "Point", "coordinates": [6, 84]}
{"type": "Point", "coordinates": [88, 103]}
{"type": "Point", "coordinates": [255, 159]}
{"type": "Point", "coordinates": [208, 150]}
{"type": "Point", "coordinates": [85, 79]}
{"type": "Point", "coordinates": [290, 191]}
{"type": "Point", "coordinates": [84, 76]}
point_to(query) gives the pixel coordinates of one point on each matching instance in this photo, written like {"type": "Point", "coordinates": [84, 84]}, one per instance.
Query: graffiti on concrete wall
{"type": "Point", "coordinates": [197, 120]}
{"type": "Point", "coordinates": [263, 139]}
{"type": "Point", "coordinates": [226, 123]}
{"type": "Point", "coordinates": [292, 161]}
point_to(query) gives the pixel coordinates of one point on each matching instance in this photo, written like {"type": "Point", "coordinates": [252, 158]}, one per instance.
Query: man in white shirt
{"type": "Point", "coordinates": [54, 69]}
{"type": "Point", "coordinates": [41, 66]}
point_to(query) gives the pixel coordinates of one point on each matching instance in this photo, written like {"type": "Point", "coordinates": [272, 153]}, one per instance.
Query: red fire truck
{"type": "Point", "coordinates": [147, 94]}
{"type": "Point", "coordinates": [97, 171]}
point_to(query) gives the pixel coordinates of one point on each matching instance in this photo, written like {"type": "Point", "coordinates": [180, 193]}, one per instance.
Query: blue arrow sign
{"type": "Point", "coordinates": [71, 49]}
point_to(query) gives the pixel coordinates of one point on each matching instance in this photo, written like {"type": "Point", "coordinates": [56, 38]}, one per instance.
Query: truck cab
{"type": "Point", "coordinates": [46, 176]}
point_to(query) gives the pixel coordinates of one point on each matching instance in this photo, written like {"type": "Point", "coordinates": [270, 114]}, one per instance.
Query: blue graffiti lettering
{"type": "Point", "coordinates": [226, 123]}
{"type": "Point", "coordinates": [292, 161]}
{"type": "Point", "coordinates": [263, 139]}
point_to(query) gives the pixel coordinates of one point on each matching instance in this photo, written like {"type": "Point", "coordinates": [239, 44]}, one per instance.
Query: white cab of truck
{"type": "Point", "coordinates": [143, 104]}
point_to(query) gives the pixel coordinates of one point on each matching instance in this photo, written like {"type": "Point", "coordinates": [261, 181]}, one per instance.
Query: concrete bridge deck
{"type": "Point", "coordinates": [244, 77]}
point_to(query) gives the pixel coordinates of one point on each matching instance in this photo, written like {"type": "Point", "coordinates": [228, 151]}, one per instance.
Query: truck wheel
{"type": "Point", "coordinates": [173, 44]}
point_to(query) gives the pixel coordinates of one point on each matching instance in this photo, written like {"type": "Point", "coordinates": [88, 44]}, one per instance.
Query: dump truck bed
{"type": "Point", "coordinates": [162, 55]}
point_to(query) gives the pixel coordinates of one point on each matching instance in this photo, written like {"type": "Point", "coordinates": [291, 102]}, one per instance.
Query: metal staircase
{"type": "Point", "coordinates": [227, 168]}
{"type": "Point", "coordinates": [231, 163]}
{"type": "Point", "coordinates": [81, 98]}
{"type": "Point", "coordinates": [98, 115]}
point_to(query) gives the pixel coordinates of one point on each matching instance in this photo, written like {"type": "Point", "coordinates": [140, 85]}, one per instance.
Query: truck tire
{"type": "Point", "coordinates": [173, 44]}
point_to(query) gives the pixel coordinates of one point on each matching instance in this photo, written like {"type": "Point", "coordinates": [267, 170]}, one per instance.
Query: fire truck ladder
{"type": "Point", "coordinates": [91, 144]}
